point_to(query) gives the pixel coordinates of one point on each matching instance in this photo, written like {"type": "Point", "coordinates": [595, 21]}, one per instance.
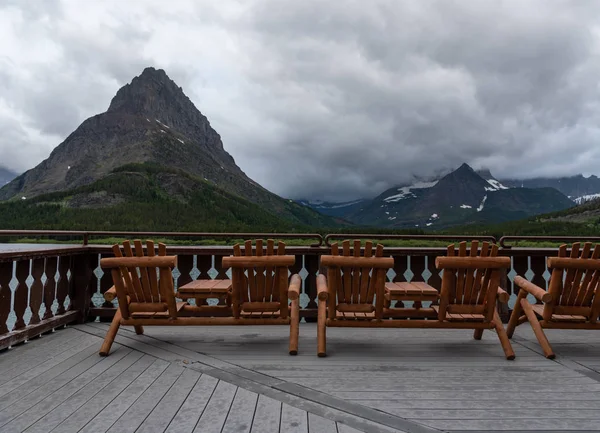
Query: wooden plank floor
{"type": "Point", "coordinates": [59, 383]}
{"type": "Point", "coordinates": [441, 379]}
{"type": "Point", "coordinates": [240, 379]}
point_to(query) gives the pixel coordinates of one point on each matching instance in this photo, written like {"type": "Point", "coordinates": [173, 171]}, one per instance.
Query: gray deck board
{"type": "Point", "coordinates": [119, 405]}
{"type": "Point", "coordinates": [293, 420]}
{"type": "Point", "coordinates": [36, 364]}
{"type": "Point", "coordinates": [318, 424]}
{"type": "Point", "coordinates": [241, 413]}
{"type": "Point", "coordinates": [189, 413]}
{"type": "Point", "coordinates": [267, 416]}
{"type": "Point", "coordinates": [44, 371]}
{"type": "Point", "coordinates": [165, 410]}
{"type": "Point", "coordinates": [83, 415]}
{"type": "Point", "coordinates": [22, 404]}
{"type": "Point", "coordinates": [145, 404]}
{"type": "Point", "coordinates": [214, 416]}
{"type": "Point", "coordinates": [73, 403]}
{"type": "Point", "coordinates": [53, 400]}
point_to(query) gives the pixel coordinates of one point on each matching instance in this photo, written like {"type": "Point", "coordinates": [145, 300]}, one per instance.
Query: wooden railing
{"type": "Point", "coordinates": [43, 288]}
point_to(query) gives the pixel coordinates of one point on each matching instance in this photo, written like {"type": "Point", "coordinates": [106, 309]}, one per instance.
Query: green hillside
{"type": "Point", "coordinates": [150, 197]}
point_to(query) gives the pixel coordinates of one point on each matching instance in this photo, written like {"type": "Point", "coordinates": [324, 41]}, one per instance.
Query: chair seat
{"type": "Point", "coordinates": [463, 317]}
{"type": "Point", "coordinates": [539, 310]}
{"type": "Point", "coordinates": [162, 315]}
{"type": "Point", "coordinates": [416, 291]}
{"type": "Point", "coordinates": [260, 314]}
{"type": "Point", "coordinates": [354, 315]}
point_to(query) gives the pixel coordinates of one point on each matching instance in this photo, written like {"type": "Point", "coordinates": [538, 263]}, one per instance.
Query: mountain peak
{"type": "Point", "coordinates": [150, 94]}
{"type": "Point", "coordinates": [465, 167]}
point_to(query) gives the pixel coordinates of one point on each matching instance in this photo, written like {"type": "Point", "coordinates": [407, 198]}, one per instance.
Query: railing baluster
{"type": "Point", "coordinates": [50, 286]}
{"type": "Point", "coordinates": [62, 290]}
{"type": "Point", "coordinates": [36, 290]}
{"type": "Point", "coordinates": [6, 272]}
{"type": "Point", "coordinates": [311, 264]}
{"type": "Point", "coordinates": [21, 292]}
{"type": "Point", "coordinates": [520, 266]}
{"type": "Point", "coordinates": [221, 273]}
{"type": "Point", "coordinates": [106, 283]}
{"type": "Point", "coordinates": [185, 264]}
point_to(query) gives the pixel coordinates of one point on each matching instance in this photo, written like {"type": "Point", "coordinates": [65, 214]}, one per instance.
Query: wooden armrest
{"type": "Point", "coordinates": [539, 293]}
{"type": "Point", "coordinates": [502, 295]}
{"type": "Point", "coordinates": [110, 294]}
{"type": "Point", "coordinates": [322, 289]}
{"type": "Point", "coordinates": [294, 288]}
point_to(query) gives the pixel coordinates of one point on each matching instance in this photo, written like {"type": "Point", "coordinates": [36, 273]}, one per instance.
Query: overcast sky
{"type": "Point", "coordinates": [322, 99]}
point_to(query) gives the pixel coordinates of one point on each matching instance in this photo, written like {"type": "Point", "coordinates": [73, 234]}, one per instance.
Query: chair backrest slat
{"type": "Point", "coordinates": [568, 283]}
{"type": "Point", "coordinates": [469, 282]}
{"type": "Point", "coordinates": [259, 277]}
{"type": "Point", "coordinates": [574, 282]}
{"type": "Point", "coordinates": [134, 277]}
{"type": "Point", "coordinates": [152, 274]}
{"type": "Point", "coordinates": [347, 274]}
{"type": "Point", "coordinates": [364, 275]}
{"type": "Point", "coordinates": [356, 281]}
{"type": "Point", "coordinates": [460, 278]}
{"type": "Point", "coordinates": [588, 287]}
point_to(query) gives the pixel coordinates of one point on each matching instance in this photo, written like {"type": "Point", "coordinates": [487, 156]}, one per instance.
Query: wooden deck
{"type": "Point", "coordinates": [240, 379]}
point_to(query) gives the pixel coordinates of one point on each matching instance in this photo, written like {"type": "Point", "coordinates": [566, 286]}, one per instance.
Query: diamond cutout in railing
{"type": "Point", "coordinates": [426, 274]}
{"type": "Point", "coordinates": [391, 274]}
{"type": "Point", "coordinates": [511, 274]}
{"type": "Point", "coordinates": [408, 275]}
{"type": "Point", "coordinates": [304, 300]}
{"type": "Point", "coordinates": [176, 273]}
{"type": "Point", "coordinates": [303, 274]}
{"type": "Point", "coordinates": [529, 274]}
{"type": "Point", "coordinates": [546, 275]}
{"type": "Point", "coordinates": [195, 273]}
{"type": "Point", "coordinates": [98, 272]}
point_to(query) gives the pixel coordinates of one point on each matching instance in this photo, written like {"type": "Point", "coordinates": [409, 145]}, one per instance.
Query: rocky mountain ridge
{"type": "Point", "coordinates": [150, 121]}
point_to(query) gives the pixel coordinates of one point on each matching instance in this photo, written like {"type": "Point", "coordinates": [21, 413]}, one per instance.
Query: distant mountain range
{"type": "Point", "coordinates": [461, 197]}
{"type": "Point", "coordinates": [578, 188]}
{"type": "Point", "coordinates": [6, 176]}
{"type": "Point", "coordinates": [151, 161]}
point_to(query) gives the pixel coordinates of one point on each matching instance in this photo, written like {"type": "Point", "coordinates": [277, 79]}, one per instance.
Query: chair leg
{"type": "Point", "coordinates": [321, 329]}
{"type": "Point", "coordinates": [517, 312]}
{"type": "Point", "coordinates": [504, 341]}
{"type": "Point", "coordinates": [537, 329]}
{"type": "Point", "coordinates": [478, 334]}
{"type": "Point", "coordinates": [111, 334]}
{"type": "Point", "coordinates": [294, 326]}
{"type": "Point", "coordinates": [139, 330]}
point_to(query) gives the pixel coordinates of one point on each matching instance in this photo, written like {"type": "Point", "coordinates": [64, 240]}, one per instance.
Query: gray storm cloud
{"type": "Point", "coordinates": [329, 100]}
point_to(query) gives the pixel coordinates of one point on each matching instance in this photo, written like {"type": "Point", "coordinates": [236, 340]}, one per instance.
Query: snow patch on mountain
{"type": "Point", "coordinates": [480, 208]}
{"type": "Point", "coordinates": [406, 191]}
{"type": "Point", "coordinates": [585, 198]}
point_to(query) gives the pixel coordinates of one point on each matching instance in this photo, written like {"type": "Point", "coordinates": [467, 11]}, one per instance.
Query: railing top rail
{"type": "Point", "coordinates": [569, 239]}
{"type": "Point", "coordinates": [87, 234]}
{"type": "Point", "coordinates": [339, 236]}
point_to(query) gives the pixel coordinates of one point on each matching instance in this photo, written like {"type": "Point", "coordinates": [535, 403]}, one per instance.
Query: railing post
{"type": "Point", "coordinates": [81, 286]}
